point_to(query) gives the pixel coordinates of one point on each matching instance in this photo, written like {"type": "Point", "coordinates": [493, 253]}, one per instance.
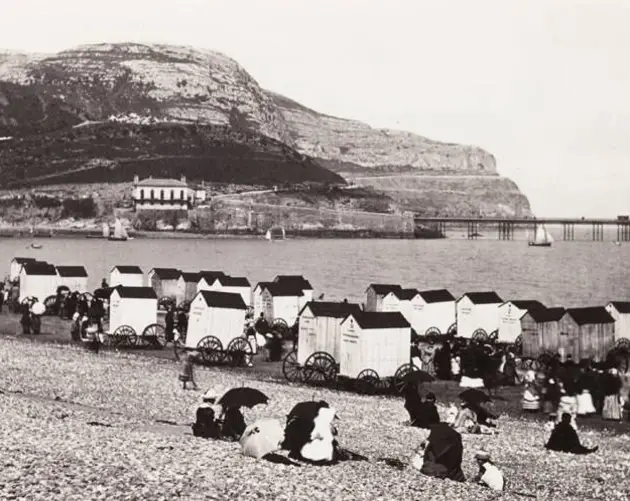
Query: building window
{"type": "Point", "coordinates": [152, 195]}
{"type": "Point", "coordinates": [181, 195]}
{"type": "Point", "coordinates": [161, 194]}
{"type": "Point", "coordinates": [141, 194]}
{"type": "Point", "coordinates": [172, 194]}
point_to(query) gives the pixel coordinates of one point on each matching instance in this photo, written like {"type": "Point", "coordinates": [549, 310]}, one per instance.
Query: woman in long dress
{"type": "Point", "coordinates": [443, 454]}
{"type": "Point", "coordinates": [568, 402]}
{"type": "Point", "coordinates": [585, 405]}
{"type": "Point", "coordinates": [612, 404]}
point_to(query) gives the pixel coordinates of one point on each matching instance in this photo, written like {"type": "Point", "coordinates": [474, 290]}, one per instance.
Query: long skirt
{"type": "Point", "coordinates": [585, 404]}
{"type": "Point", "coordinates": [612, 408]}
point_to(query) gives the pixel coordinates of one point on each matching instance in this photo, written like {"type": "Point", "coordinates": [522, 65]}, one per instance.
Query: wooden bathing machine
{"type": "Point", "coordinates": [375, 294]}
{"type": "Point", "coordinates": [477, 315]}
{"type": "Point", "coordinates": [164, 281]}
{"type": "Point", "coordinates": [187, 286]}
{"type": "Point", "coordinates": [127, 276]}
{"type": "Point", "coordinates": [510, 315]}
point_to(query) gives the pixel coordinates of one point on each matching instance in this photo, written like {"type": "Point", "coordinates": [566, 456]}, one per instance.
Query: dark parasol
{"type": "Point", "coordinates": [415, 377]}
{"type": "Point", "coordinates": [243, 397]}
{"type": "Point", "coordinates": [474, 396]}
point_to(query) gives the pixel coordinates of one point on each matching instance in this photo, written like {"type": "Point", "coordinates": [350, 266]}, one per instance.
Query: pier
{"type": "Point", "coordinates": [505, 226]}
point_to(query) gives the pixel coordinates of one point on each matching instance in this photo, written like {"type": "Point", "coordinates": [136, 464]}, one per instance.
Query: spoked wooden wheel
{"type": "Point", "coordinates": [494, 336]}
{"type": "Point", "coordinates": [623, 344]}
{"type": "Point", "coordinates": [480, 335]}
{"type": "Point", "coordinates": [367, 382]}
{"type": "Point", "coordinates": [280, 326]}
{"type": "Point", "coordinates": [240, 352]}
{"type": "Point", "coordinates": [320, 368]}
{"type": "Point", "coordinates": [155, 334]}
{"type": "Point", "coordinates": [291, 369]}
{"type": "Point", "coordinates": [125, 335]}
{"type": "Point", "coordinates": [51, 305]}
{"type": "Point", "coordinates": [400, 374]}
{"type": "Point", "coordinates": [452, 330]}
{"type": "Point", "coordinates": [211, 349]}
{"type": "Point", "coordinates": [432, 331]}
{"type": "Point", "coordinates": [165, 302]}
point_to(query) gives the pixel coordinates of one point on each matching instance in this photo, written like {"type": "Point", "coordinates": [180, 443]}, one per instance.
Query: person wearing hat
{"type": "Point", "coordinates": [205, 425]}
{"type": "Point", "coordinates": [489, 475]}
{"type": "Point", "coordinates": [188, 370]}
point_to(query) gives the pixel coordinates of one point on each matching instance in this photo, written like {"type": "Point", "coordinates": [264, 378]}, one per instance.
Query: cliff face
{"type": "Point", "coordinates": [102, 82]}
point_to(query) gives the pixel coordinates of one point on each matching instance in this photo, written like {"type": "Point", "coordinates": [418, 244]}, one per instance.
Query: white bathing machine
{"type": "Point", "coordinates": [187, 286]}
{"type": "Point", "coordinates": [74, 278]}
{"type": "Point", "coordinates": [510, 315]}
{"type": "Point", "coordinates": [133, 316]}
{"type": "Point", "coordinates": [281, 303]}
{"type": "Point", "coordinates": [16, 266]}
{"type": "Point", "coordinates": [433, 312]}
{"type": "Point", "coordinates": [127, 276]}
{"type": "Point", "coordinates": [38, 279]}
{"type": "Point", "coordinates": [375, 348]}
{"type": "Point", "coordinates": [216, 327]}
{"type": "Point", "coordinates": [477, 315]}
{"type": "Point", "coordinates": [236, 285]}
{"type": "Point", "coordinates": [207, 280]}
{"type": "Point", "coordinates": [257, 298]}
{"type": "Point", "coordinates": [320, 328]}
{"type": "Point", "coordinates": [299, 282]}
{"type": "Point", "coordinates": [375, 294]}
{"type": "Point", "coordinates": [620, 311]}
{"type": "Point", "coordinates": [165, 282]}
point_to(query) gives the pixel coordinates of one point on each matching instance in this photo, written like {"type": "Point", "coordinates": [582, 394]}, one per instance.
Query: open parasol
{"type": "Point", "coordinates": [38, 308]}
{"type": "Point", "coordinates": [243, 397]}
{"type": "Point", "coordinates": [474, 396]}
{"type": "Point", "coordinates": [261, 438]}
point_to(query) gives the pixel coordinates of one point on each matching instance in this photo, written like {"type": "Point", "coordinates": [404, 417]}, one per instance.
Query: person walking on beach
{"type": "Point", "coordinates": [169, 324]}
{"type": "Point", "coordinates": [188, 370]}
{"type": "Point", "coordinates": [26, 319]}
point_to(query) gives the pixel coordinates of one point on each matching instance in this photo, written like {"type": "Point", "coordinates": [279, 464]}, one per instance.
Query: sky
{"type": "Point", "coordinates": [544, 85]}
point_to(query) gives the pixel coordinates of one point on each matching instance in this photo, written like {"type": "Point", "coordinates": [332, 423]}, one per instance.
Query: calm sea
{"type": "Point", "coordinates": [580, 273]}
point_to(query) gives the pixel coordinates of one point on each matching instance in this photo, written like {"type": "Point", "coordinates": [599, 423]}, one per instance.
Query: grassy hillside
{"type": "Point", "coordinates": [115, 152]}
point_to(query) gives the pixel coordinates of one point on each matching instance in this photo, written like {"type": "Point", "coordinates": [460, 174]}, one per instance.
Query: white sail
{"type": "Point", "coordinates": [105, 230]}
{"type": "Point", "coordinates": [268, 235]}
{"type": "Point", "coordinates": [542, 235]}
{"type": "Point", "coordinates": [118, 229]}
{"type": "Point", "coordinates": [549, 237]}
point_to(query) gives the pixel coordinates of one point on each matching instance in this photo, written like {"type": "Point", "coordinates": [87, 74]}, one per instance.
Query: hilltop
{"type": "Point", "coordinates": [163, 84]}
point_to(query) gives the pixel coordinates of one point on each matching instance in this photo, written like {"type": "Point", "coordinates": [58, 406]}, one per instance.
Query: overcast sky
{"type": "Point", "coordinates": [544, 85]}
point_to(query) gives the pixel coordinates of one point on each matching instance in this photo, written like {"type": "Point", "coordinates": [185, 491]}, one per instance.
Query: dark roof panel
{"type": "Point", "coordinates": [263, 285]}
{"type": "Point", "coordinates": [331, 309]}
{"type": "Point", "coordinates": [590, 315]}
{"type": "Point", "coordinates": [72, 271]}
{"type": "Point", "coordinates": [379, 320]}
{"type": "Point", "coordinates": [541, 315]}
{"type": "Point", "coordinates": [227, 300]}
{"type": "Point", "coordinates": [437, 296]}
{"type": "Point", "coordinates": [136, 292]}
{"type": "Point", "coordinates": [487, 297]}
{"type": "Point", "coordinates": [298, 280]}
{"type": "Point", "coordinates": [22, 260]}
{"type": "Point", "coordinates": [383, 289]}
{"type": "Point", "coordinates": [167, 273]}
{"type": "Point", "coordinates": [527, 304]}
{"type": "Point", "coordinates": [191, 277]}
{"type": "Point", "coordinates": [128, 270]}
{"type": "Point", "coordinates": [39, 268]}
{"type": "Point", "coordinates": [406, 294]}
{"type": "Point", "coordinates": [284, 289]}
{"type": "Point", "coordinates": [621, 306]}
{"type": "Point", "coordinates": [210, 276]}
{"type": "Point", "coordinates": [234, 281]}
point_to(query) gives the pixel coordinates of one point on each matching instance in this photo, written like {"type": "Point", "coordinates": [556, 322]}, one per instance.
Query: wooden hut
{"type": "Point", "coordinates": [217, 314]}
{"type": "Point", "coordinates": [236, 285]}
{"type": "Point", "coordinates": [374, 341]}
{"type": "Point", "coordinates": [586, 333]}
{"type": "Point", "coordinates": [16, 266]}
{"type": "Point", "coordinates": [187, 286]}
{"type": "Point", "coordinates": [164, 281]}
{"type": "Point", "coordinates": [433, 312]}
{"type": "Point", "coordinates": [375, 294]}
{"type": "Point", "coordinates": [127, 276]}
{"type": "Point", "coordinates": [477, 314]}
{"type": "Point", "coordinates": [281, 301]}
{"type": "Point", "coordinates": [132, 306]}
{"type": "Point", "coordinates": [297, 281]}
{"type": "Point", "coordinates": [207, 280]}
{"type": "Point", "coordinates": [510, 314]}
{"type": "Point", "coordinates": [74, 278]}
{"type": "Point", "coordinates": [38, 279]}
{"type": "Point", "coordinates": [320, 328]}
{"type": "Point", "coordinates": [541, 331]}
{"type": "Point", "coordinates": [620, 311]}
{"type": "Point", "coordinates": [257, 298]}
{"type": "Point", "coordinates": [403, 301]}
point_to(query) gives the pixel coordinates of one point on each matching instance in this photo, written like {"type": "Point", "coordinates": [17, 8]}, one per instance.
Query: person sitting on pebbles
{"type": "Point", "coordinates": [205, 425]}
{"type": "Point", "coordinates": [489, 475]}
{"type": "Point", "coordinates": [441, 456]}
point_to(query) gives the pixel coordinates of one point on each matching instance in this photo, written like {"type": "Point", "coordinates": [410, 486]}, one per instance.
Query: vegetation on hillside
{"type": "Point", "coordinates": [115, 152]}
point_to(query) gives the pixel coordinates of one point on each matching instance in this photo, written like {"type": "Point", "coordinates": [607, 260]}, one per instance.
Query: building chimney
{"type": "Point", "coordinates": [136, 180]}
{"type": "Point", "coordinates": [183, 179]}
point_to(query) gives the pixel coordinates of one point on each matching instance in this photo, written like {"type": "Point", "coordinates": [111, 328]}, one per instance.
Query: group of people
{"type": "Point", "coordinates": [578, 389]}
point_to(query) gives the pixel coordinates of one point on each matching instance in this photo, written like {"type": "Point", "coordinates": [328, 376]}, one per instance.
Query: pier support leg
{"type": "Point", "coordinates": [598, 232]}
{"type": "Point", "coordinates": [568, 231]}
{"type": "Point", "coordinates": [473, 226]}
{"type": "Point", "coordinates": [623, 232]}
{"type": "Point", "coordinates": [506, 230]}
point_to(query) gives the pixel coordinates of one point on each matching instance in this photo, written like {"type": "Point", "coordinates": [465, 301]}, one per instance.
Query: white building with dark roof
{"type": "Point", "coordinates": [162, 194]}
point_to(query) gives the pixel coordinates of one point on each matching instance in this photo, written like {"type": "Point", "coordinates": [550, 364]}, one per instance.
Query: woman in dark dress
{"type": "Point", "coordinates": [443, 454]}
{"type": "Point", "coordinates": [564, 438]}
{"type": "Point", "coordinates": [443, 362]}
{"type": "Point", "coordinates": [413, 404]}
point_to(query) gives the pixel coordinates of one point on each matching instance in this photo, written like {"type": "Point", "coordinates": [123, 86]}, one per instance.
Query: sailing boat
{"type": "Point", "coordinates": [120, 234]}
{"type": "Point", "coordinates": [276, 233]}
{"type": "Point", "coordinates": [542, 238]}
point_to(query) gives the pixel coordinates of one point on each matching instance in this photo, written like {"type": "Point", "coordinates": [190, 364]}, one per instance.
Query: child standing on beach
{"type": "Point", "coordinates": [188, 370]}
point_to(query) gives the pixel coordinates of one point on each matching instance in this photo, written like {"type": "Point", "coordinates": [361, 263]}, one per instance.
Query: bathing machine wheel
{"type": "Point", "coordinates": [432, 331]}
{"type": "Point", "coordinates": [280, 326]}
{"type": "Point", "coordinates": [124, 335]}
{"type": "Point", "coordinates": [400, 374]}
{"type": "Point", "coordinates": [452, 330]}
{"type": "Point", "coordinates": [291, 369]}
{"type": "Point", "coordinates": [52, 305]}
{"type": "Point", "coordinates": [155, 334]}
{"type": "Point", "coordinates": [211, 349]}
{"type": "Point", "coordinates": [165, 302]}
{"type": "Point", "coordinates": [367, 382]}
{"type": "Point", "coordinates": [480, 336]}
{"type": "Point", "coordinates": [319, 368]}
{"type": "Point", "coordinates": [240, 352]}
